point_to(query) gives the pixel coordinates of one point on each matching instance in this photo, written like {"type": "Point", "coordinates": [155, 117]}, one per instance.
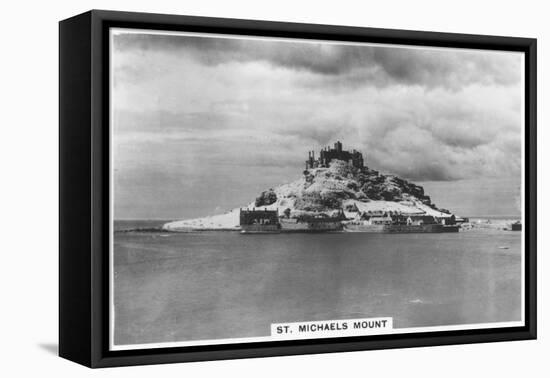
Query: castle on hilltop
{"type": "Point", "coordinates": [328, 154]}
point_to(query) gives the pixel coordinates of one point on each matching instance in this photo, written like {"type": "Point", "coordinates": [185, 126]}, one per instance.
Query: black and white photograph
{"type": "Point", "coordinates": [280, 189]}
{"type": "Point", "coordinates": [275, 189]}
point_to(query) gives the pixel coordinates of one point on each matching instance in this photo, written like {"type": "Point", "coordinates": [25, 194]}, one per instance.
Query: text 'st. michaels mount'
{"type": "Point", "coordinates": [337, 191]}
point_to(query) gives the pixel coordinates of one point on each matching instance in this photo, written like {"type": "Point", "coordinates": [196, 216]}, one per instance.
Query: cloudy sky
{"type": "Point", "coordinates": [202, 125]}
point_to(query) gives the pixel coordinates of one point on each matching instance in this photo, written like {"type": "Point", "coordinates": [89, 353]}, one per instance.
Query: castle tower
{"type": "Point", "coordinates": [327, 154]}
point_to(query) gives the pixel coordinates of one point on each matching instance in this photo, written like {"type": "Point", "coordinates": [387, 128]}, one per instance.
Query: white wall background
{"type": "Point", "coordinates": [29, 189]}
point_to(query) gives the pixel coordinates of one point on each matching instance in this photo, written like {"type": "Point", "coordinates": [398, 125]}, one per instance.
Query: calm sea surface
{"type": "Point", "coordinates": [209, 285]}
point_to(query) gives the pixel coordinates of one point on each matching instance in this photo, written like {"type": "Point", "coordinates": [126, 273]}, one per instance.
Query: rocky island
{"type": "Point", "coordinates": [339, 186]}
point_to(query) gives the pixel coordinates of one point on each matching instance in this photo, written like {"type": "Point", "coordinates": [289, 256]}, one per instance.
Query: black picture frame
{"type": "Point", "coordinates": [84, 187]}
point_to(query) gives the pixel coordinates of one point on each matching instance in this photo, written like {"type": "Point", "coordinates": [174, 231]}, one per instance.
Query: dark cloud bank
{"type": "Point", "coordinates": [387, 65]}
{"type": "Point", "coordinates": [424, 114]}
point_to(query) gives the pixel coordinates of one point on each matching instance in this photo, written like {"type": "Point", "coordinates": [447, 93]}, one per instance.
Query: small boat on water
{"type": "Point", "coordinates": [516, 226]}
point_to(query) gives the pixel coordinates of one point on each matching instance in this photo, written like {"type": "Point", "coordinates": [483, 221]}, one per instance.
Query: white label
{"type": "Point", "coordinates": [331, 328]}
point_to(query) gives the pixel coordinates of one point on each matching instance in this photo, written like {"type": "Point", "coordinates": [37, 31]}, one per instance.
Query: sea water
{"type": "Point", "coordinates": [211, 285]}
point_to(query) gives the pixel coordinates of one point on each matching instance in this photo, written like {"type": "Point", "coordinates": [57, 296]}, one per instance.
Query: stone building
{"type": "Point", "coordinates": [327, 154]}
{"type": "Point", "coordinates": [259, 221]}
